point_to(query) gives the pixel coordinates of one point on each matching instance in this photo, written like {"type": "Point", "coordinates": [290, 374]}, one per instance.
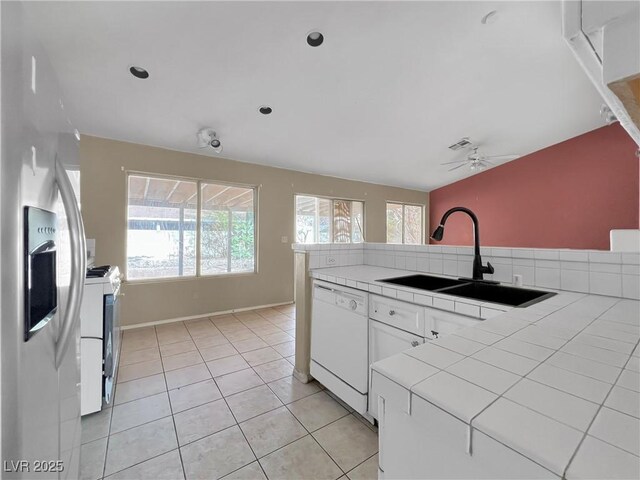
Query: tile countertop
{"type": "Point", "coordinates": [366, 277]}
{"type": "Point", "coordinates": [558, 382]}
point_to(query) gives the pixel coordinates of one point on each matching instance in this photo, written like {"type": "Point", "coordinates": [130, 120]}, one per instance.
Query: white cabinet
{"type": "Point", "coordinates": [429, 443]}
{"type": "Point", "coordinates": [439, 322]}
{"type": "Point", "coordinates": [421, 321]}
{"type": "Point", "coordinates": [385, 341]}
{"type": "Point", "coordinates": [396, 326]}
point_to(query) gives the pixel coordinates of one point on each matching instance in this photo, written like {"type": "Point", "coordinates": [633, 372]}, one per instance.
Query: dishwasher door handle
{"type": "Point", "coordinates": [325, 288]}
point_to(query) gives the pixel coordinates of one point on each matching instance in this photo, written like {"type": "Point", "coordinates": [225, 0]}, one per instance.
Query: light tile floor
{"type": "Point", "coordinates": [215, 397]}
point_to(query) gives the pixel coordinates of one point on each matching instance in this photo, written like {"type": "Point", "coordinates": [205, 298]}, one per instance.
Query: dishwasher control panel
{"type": "Point", "coordinates": [351, 302]}
{"type": "Point", "coordinates": [342, 297]}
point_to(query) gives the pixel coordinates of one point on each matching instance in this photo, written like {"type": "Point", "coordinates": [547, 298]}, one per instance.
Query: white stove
{"type": "Point", "coordinates": [100, 337]}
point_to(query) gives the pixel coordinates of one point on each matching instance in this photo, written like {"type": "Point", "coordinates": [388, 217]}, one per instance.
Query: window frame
{"type": "Point", "coordinates": [198, 181]}
{"type": "Point", "coordinates": [332, 199]}
{"type": "Point", "coordinates": [405, 204]}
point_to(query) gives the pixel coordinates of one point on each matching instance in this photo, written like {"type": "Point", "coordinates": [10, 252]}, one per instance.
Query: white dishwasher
{"type": "Point", "coordinates": [339, 356]}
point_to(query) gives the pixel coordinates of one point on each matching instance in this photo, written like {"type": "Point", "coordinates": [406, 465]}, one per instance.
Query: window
{"type": "Point", "coordinates": [167, 238]}
{"type": "Point", "coordinates": [404, 223]}
{"type": "Point", "coordinates": [326, 220]}
{"type": "Point", "coordinates": [227, 229]}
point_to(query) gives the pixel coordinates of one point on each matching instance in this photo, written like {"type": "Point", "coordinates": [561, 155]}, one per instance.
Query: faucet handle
{"type": "Point", "coordinates": [489, 268]}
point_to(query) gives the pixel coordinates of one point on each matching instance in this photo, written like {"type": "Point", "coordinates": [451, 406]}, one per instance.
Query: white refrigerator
{"type": "Point", "coordinates": [42, 262]}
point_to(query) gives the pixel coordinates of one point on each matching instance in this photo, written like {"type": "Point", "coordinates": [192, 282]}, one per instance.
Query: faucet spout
{"type": "Point", "coordinates": [478, 269]}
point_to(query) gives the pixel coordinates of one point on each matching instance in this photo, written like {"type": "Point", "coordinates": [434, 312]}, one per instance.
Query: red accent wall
{"type": "Point", "coordinates": [568, 195]}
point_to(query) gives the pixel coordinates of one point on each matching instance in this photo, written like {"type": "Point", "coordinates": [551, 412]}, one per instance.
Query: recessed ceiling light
{"type": "Point", "coordinates": [490, 17]}
{"type": "Point", "coordinates": [138, 72]}
{"type": "Point", "coordinates": [315, 39]}
{"type": "Point", "coordinates": [265, 110]}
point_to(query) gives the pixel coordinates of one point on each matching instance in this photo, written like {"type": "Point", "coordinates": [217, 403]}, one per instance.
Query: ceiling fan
{"type": "Point", "coordinates": [475, 159]}
{"type": "Point", "coordinates": [207, 138]}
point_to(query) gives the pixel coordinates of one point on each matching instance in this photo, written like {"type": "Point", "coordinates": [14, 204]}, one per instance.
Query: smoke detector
{"type": "Point", "coordinates": [207, 138]}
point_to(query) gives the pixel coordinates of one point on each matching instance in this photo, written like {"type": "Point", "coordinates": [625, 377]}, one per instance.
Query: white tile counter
{"type": "Point", "coordinates": [366, 278]}
{"type": "Point", "coordinates": [552, 393]}
{"type": "Point", "coordinates": [557, 382]}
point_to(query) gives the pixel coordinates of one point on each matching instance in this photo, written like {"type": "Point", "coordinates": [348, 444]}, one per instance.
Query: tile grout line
{"type": "Point", "coordinates": [600, 407]}
{"type": "Point", "coordinates": [318, 429]}
{"type": "Point", "coordinates": [269, 411]}
{"type": "Point", "coordinates": [311, 434]}
{"type": "Point", "coordinates": [171, 408]}
{"type": "Point", "coordinates": [143, 461]}
{"type": "Point", "coordinates": [236, 424]}
{"type": "Point", "coordinates": [146, 423]}
{"type": "Point", "coordinates": [308, 434]}
{"type": "Point", "coordinates": [325, 451]}
{"type": "Point", "coordinates": [360, 464]}
{"type": "Point", "coordinates": [173, 420]}
{"type": "Point", "coordinates": [531, 409]}
{"type": "Point", "coordinates": [470, 423]}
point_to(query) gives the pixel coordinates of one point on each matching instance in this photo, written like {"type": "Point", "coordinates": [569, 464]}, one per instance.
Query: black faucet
{"type": "Point", "coordinates": [478, 269]}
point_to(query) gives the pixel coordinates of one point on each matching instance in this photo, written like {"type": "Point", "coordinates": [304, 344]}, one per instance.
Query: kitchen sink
{"type": "Point", "coordinates": [425, 282]}
{"type": "Point", "coordinates": [487, 292]}
{"type": "Point", "coordinates": [476, 290]}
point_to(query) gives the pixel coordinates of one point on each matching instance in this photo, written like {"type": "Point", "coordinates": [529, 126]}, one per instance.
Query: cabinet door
{"type": "Point", "coordinates": [439, 322]}
{"type": "Point", "coordinates": [385, 341]}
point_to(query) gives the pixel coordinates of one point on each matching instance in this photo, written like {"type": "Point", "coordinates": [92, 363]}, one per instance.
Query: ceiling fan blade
{"type": "Point", "coordinates": [501, 157]}
{"type": "Point", "coordinates": [455, 161]}
{"type": "Point", "coordinates": [456, 167]}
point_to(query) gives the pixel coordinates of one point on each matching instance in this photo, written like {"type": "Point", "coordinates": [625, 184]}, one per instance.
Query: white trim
{"type": "Point", "coordinates": [210, 314]}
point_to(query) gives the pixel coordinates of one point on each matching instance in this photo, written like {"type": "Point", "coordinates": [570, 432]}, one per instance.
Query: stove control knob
{"type": "Point", "coordinates": [353, 305]}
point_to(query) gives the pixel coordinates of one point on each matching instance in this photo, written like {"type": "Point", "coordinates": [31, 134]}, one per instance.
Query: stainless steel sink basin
{"type": "Point", "coordinates": [476, 290]}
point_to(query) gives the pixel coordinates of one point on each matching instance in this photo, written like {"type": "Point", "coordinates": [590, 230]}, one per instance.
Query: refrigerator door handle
{"type": "Point", "coordinates": [71, 313]}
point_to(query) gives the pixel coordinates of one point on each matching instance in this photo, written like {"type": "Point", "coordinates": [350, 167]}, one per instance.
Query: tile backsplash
{"type": "Point", "coordinates": [324, 255]}
{"type": "Point", "coordinates": [586, 271]}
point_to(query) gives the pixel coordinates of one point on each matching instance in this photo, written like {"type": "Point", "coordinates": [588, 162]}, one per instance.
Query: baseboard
{"type": "Point", "coordinates": [193, 317]}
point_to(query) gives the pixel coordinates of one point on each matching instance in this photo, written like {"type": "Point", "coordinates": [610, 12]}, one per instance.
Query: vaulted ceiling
{"type": "Point", "coordinates": [393, 84]}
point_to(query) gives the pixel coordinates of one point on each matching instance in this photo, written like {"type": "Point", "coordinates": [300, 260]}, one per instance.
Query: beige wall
{"type": "Point", "coordinates": [104, 164]}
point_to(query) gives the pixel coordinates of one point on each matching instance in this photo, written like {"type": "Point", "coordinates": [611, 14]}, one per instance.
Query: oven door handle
{"type": "Point", "coordinates": [71, 313]}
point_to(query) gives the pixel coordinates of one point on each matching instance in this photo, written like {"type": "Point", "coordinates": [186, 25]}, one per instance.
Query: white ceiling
{"type": "Point", "coordinates": [392, 86]}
